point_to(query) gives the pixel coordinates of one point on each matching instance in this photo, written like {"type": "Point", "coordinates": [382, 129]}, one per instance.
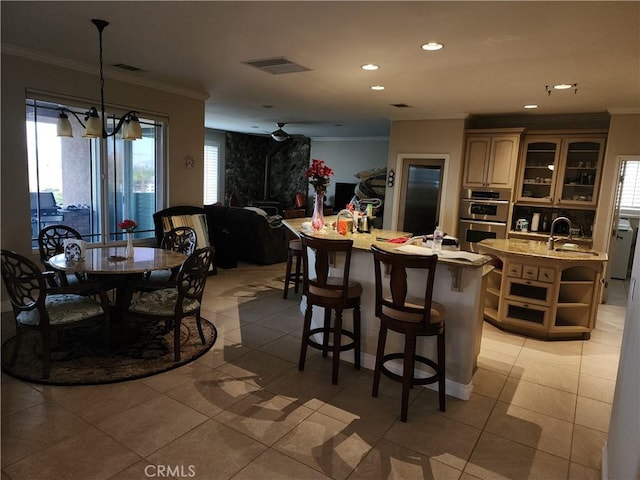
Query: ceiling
{"type": "Point", "coordinates": [498, 56]}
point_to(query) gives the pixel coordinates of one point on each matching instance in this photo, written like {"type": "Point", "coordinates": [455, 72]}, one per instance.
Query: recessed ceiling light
{"type": "Point", "coordinates": [377, 87]}
{"type": "Point", "coordinates": [531, 106]}
{"type": "Point", "coordinates": [562, 86]}
{"type": "Point", "coordinates": [370, 66]}
{"type": "Point", "coordinates": [431, 46]}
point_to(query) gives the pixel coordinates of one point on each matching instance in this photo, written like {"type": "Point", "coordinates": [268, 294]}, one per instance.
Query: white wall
{"type": "Point", "coordinates": [621, 454]}
{"type": "Point", "coordinates": [349, 156]}
{"type": "Point", "coordinates": [439, 137]}
{"type": "Point", "coordinates": [623, 139]}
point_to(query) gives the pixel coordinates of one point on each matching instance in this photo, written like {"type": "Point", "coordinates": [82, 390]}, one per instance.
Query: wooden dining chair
{"type": "Point", "coordinates": [411, 317]}
{"type": "Point", "coordinates": [181, 300]}
{"type": "Point", "coordinates": [333, 291]}
{"type": "Point", "coordinates": [51, 242]}
{"type": "Point", "coordinates": [178, 239]}
{"type": "Point", "coordinates": [46, 309]}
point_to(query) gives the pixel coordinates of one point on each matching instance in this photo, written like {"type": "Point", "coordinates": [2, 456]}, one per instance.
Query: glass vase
{"type": "Point", "coordinates": [317, 219]}
{"type": "Point", "coordinates": [129, 250]}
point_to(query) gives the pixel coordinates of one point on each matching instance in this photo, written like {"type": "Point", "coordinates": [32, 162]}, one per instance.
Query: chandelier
{"type": "Point", "coordinates": [94, 124]}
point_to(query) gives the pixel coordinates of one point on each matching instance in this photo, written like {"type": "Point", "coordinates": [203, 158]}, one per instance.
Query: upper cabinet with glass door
{"type": "Point", "coordinates": [562, 170]}
{"type": "Point", "coordinates": [581, 170]}
{"type": "Point", "coordinates": [539, 169]}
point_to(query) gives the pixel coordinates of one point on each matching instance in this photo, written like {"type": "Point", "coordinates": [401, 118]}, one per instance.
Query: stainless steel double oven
{"type": "Point", "coordinates": [483, 214]}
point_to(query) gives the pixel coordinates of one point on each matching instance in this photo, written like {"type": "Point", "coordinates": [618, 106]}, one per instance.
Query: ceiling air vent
{"type": "Point", "coordinates": [277, 66]}
{"type": "Point", "coordinates": [128, 68]}
{"type": "Point", "coordinates": [400, 105]}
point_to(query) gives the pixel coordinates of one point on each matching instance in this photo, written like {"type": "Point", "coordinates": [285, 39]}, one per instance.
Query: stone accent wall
{"type": "Point", "coordinates": [246, 160]}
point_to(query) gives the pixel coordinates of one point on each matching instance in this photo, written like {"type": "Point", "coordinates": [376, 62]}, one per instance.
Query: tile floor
{"type": "Point", "coordinates": [243, 411]}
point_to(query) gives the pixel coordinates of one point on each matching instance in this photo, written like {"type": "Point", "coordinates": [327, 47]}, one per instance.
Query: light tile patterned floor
{"type": "Point", "coordinates": [243, 411]}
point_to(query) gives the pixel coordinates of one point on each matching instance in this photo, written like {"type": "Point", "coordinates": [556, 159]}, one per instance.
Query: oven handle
{"type": "Point", "coordinates": [473, 200]}
{"type": "Point", "coordinates": [500, 224]}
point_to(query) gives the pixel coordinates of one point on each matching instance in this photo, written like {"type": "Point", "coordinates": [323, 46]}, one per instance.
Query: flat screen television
{"type": "Point", "coordinates": [344, 194]}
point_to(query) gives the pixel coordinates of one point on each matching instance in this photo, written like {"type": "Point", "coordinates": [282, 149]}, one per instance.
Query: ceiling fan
{"type": "Point", "coordinates": [280, 135]}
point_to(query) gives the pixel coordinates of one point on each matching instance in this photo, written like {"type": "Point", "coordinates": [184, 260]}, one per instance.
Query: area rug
{"type": "Point", "coordinates": [79, 359]}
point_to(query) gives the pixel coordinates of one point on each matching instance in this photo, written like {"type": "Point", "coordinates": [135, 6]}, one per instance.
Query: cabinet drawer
{"type": "Point", "coordinates": [526, 314]}
{"type": "Point", "coordinates": [546, 275]}
{"type": "Point", "coordinates": [529, 291]}
{"type": "Point", "coordinates": [514, 270]}
{"type": "Point", "coordinates": [529, 272]}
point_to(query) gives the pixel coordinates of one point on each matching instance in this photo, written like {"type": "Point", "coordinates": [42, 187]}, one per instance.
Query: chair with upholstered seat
{"type": "Point", "coordinates": [400, 312]}
{"type": "Point", "coordinates": [178, 239]}
{"type": "Point", "coordinates": [295, 253]}
{"type": "Point", "coordinates": [51, 242]}
{"type": "Point", "coordinates": [326, 284]}
{"type": "Point", "coordinates": [181, 300]}
{"type": "Point", "coordinates": [47, 309]}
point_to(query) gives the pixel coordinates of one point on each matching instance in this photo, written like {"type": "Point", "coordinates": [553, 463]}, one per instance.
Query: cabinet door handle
{"type": "Point", "coordinates": [528, 282]}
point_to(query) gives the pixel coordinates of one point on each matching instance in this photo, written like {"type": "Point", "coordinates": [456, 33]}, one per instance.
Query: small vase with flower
{"type": "Point", "coordinates": [128, 226]}
{"type": "Point", "coordinates": [318, 175]}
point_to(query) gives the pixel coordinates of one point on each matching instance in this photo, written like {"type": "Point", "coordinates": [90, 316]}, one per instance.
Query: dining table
{"type": "Point", "coordinates": [108, 266]}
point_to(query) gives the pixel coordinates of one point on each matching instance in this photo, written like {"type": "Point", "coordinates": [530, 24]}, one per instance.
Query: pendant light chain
{"type": "Point", "coordinates": [102, 83]}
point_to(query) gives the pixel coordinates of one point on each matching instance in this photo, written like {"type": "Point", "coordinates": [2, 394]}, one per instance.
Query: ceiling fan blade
{"type": "Point", "coordinates": [280, 135]}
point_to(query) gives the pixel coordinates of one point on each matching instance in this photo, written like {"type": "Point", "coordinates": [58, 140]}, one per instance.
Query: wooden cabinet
{"type": "Point", "coordinates": [557, 300]}
{"type": "Point", "coordinates": [581, 168]}
{"type": "Point", "coordinates": [576, 295]}
{"type": "Point", "coordinates": [561, 170]}
{"type": "Point", "coordinates": [491, 158]}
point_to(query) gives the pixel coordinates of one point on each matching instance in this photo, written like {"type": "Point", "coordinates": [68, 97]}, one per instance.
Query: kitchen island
{"type": "Point", "coordinates": [540, 292]}
{"type": "Point", "coordinates": [459, 286]}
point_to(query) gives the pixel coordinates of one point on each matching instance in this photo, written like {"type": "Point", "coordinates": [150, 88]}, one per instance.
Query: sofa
{"type": "Point", "coordinates": [244, 234]}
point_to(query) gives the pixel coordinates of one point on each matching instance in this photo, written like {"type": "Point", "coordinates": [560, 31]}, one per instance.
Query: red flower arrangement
{"type": "Point", "coordinates": [318, 175]}
{"type": "Point", "coordinates": [128, 225]}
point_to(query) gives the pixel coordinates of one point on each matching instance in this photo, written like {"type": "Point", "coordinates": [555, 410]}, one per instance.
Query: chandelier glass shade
{"type": "Point", "coordinates": [95, 123]}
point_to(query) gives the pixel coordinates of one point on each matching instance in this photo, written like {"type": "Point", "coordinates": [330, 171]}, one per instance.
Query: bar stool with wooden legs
{"type": "Point", "coordinates": [412, 317]}
{"type": "Point", "coordinates": [326, 284]}
{"type": "Point", "coordinates": [295, 251]}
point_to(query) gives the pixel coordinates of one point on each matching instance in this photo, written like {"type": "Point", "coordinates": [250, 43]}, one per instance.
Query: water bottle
{"type": "Point", "coordinates": [438, 234]}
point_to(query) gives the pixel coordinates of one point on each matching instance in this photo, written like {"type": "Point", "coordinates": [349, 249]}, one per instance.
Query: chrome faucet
{"type": "Point", "coordinates": [551, 243]}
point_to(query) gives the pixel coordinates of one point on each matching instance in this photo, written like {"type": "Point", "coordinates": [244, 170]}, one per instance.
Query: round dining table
{"type": "Point", "coordinates": [109, 267]}
{"type": "Point", "coordinates": [111, 261]}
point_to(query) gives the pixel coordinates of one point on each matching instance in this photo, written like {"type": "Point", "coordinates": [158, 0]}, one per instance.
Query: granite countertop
{"type": "Point", "coordinates": [380, 238]}
{"type": "Point", "coordinates": [534, 248]}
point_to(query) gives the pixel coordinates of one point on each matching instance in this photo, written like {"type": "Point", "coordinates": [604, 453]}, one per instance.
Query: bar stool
{"type": "Point", "coordinates": [331, 292]}
{"type": "Point", "coordinates": [409, 316]}
{"type": "Point", "coordinates": [295, 251]}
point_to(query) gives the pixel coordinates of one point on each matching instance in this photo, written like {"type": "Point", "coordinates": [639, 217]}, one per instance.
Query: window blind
{"type": "Point", "coordinates": [211, 153]}
{"type": "Point", "coordinates": [630, 195]}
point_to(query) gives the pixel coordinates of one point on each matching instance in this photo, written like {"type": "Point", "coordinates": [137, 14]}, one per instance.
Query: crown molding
{"type": "Point", "coordinates": [435, 116]}
{"type": "Point", "coordinates": [623, 111]}
{"type": "Point", "coordinates": [108, 73]}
